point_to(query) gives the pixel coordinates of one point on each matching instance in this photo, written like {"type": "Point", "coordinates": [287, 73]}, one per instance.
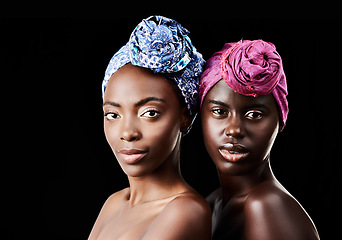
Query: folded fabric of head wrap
{"type": "Point", "coordinates": [251, 68]}
{"type": "Point", "coordinates": [162, 45]}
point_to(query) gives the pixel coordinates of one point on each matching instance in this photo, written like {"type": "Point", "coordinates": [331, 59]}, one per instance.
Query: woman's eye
{"type": "Point", "coordinates": [150, 114]}
{"type": "Point", "coordinates": [111, 116]}
{"type": "Point", "coordinates": [220, 112]}
{"type": "Point", "coordinates": [254, 115]}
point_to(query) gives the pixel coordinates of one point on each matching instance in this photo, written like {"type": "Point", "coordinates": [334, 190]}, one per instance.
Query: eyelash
{"type": "Point", "coordinates": [113, 115]}
{"type": "Point", "coordinates": [259, 113]}
{"type": "Point", "coordinates": [222, 113]}
{"type": "Point", "coordinates": [219, 112]}
{"type": "Point", "coordinates": [156, 113]}
{"type": "Point", "coordinates": [109, 117]}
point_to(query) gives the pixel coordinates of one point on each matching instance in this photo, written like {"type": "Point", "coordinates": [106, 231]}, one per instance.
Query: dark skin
{"type": "Point", "coordinates": [239, 132]}
{"type": "Point", "coordinates": [143, 122]}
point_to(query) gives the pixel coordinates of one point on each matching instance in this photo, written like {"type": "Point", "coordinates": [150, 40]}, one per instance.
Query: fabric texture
{"type": "Point", "coordinates": [162, 45]}
{"type": "Point", "coordinates": [251, 68]}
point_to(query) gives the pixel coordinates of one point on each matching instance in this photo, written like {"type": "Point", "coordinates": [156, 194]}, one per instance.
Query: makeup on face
{"type": "Point", "coordinates": [142, 119]}
{"type": "Point", "coordinates": [238, 130]}
{"type": "Point", "coordinates": [233, 152]}
{"type": "Point", "coordinates": [131, 155]}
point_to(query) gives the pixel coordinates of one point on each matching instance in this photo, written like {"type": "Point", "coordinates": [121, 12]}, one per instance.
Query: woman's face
{"type": "Point", "coordinates": [238, 130]}
{"type": "Point", "coordinates": [143, 119]}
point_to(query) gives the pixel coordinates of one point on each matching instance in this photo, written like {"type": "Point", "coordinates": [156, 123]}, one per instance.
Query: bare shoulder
{"type": "Point", "coordinates": [117, 197]}
{"type": "Point", "coordinates": [189, 204]}
{"type": "Point", "coordinates": [113, 202]}
{"type": "Point", "coordinates": [188, 216]}
{"type": "Point", "coordinates": [110, 207]}
{"type": "Point", "coordinates": [271, 211]}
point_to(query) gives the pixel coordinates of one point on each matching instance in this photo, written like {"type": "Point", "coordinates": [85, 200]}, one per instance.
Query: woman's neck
{"type": "Point", "coordinates": [165, 181]}
{"type": "Point", "coordinates": [241, 185]}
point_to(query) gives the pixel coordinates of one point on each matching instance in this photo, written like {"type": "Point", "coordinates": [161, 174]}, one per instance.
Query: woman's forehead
{"type": "Point", "coordinates": [135, 83]}
{"type": "Point", "coordinates": [223, 93]}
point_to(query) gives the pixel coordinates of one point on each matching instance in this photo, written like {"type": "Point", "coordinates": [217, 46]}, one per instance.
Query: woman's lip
{"type": "Point", "coordinates": [131, 156]}
{"type": "Point", "coordinates": [233, 152]}
{"type": "Point", "coordinates": [131, 151]}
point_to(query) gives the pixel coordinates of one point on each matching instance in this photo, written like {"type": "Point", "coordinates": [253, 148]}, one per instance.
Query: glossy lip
{"type": "Point", "coordinates": [131, 156]}
{"type": "Point", "coordinates": [233, 152]}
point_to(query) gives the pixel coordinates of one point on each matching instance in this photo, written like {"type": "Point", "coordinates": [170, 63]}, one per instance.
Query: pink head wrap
{"type": "Point", "coordinates": [251, 68]}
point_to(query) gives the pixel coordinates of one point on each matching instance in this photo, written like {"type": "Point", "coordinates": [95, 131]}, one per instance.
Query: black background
{"type": "Point", "coordinates": [57, 166]}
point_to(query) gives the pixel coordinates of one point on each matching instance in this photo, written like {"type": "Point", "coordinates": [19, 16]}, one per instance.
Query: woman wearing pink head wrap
{"type": "Point", "coordinates": [251, 68]}
{"type": "Point", "coordinates": [243, 107]}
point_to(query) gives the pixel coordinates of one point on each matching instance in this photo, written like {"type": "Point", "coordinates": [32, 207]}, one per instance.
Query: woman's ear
{"type": "Point", "coordinates": [186, 120]}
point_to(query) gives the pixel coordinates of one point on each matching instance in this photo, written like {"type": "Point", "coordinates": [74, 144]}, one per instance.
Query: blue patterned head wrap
{"type": "Point", "coordinates": [162, 45]}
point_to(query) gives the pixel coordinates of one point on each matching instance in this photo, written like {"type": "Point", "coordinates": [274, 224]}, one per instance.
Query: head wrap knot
{"type": "Point", "coordinates": [251, 68]}
{"type": "Point", "coordinates": [162, 45]}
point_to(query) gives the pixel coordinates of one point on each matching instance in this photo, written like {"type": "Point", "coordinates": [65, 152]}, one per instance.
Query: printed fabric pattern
{"type": "Point", "coordinates": [162, 45]}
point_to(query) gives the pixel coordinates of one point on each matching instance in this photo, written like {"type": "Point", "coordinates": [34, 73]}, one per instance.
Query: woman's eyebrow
{"type": "Point", "coordinates": [138, 104]}
{"type": "Point", "coordinates": [218, 103]}
{"type": "Point", "coordinates": [257, 105]}
{"type": "Point", "coordinates": [111, 103]}
{"type": "Point", "coordinates": [148, 99]}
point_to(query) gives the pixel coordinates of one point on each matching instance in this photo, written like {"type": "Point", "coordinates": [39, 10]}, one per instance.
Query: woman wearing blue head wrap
{"type": "Point", "coordinates": [149, 100]}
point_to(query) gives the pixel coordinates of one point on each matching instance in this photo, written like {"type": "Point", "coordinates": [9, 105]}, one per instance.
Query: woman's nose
{"type": "Point", "coordinates": [234, 128]}
{"type": "Point", "coordinates": [130, 131]}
